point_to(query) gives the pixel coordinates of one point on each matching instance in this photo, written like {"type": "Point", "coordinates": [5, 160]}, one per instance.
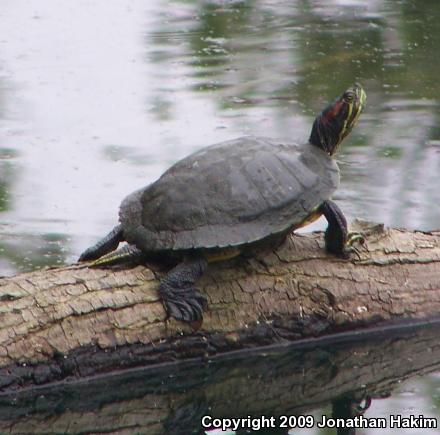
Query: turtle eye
{"type": "Point", "coordinates": [349, 96]}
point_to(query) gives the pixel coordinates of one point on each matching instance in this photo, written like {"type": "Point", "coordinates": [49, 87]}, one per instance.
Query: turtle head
{"type": "Point", "coordinates": [336, 121]}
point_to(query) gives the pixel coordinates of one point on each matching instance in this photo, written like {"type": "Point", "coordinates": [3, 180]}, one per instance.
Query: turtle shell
{"type": "Point", "coordinates": [229, 194]}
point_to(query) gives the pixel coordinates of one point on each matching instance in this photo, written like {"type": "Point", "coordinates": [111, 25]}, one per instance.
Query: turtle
{"type": "Point", "coordinates": [230, 199]}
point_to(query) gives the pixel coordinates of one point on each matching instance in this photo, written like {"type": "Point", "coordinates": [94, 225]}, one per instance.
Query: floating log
{"type": "Point", "coordinates": [295, 379]}
{"type": "Point", "coordinates": [76, 321]}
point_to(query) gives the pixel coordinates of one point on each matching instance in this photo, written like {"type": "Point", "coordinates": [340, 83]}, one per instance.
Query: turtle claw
{"type": "Point", "coordinates": [185, 304]}
{"type": "Point", "coordinates": [351, 250]}
{"type": "Point", "coordinates": [182, 300]}
{"type": "Point", "coordinates": [353, 238]}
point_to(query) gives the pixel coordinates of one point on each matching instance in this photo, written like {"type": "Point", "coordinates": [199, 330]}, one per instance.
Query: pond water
{"type": "Point", "coordinates": [98, 98]}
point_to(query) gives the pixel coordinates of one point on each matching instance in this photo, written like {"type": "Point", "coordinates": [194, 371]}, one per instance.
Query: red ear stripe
{"type": "Point", "coordinates": [330, 114]}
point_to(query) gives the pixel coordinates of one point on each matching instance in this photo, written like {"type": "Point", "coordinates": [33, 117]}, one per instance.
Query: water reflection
{"type": "Point", "coordinates": [337, 377]}
{"type": "Point", "coordinates": [6, 171]}
{"type": "Point", "coordinates": [89, 115]}
{"type": "Point", "coordinates": [263, 62]}
{"type": "Point", "coordinates": [25, 253]}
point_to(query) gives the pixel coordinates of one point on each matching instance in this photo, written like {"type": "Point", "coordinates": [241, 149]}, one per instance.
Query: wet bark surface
{"type": "Point", "coordinates": [75, 321]}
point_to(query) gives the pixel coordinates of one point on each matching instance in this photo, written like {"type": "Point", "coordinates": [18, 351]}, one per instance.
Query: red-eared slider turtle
{"type": "Point", "coordinates": [228, 199]}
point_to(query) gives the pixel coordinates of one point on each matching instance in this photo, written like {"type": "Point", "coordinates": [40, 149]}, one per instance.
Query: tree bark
{"type": "Point", "coordinates": [78, 321]}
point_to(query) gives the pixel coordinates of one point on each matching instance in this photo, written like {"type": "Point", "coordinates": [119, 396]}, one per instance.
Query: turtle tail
{"type": "Point", "coordinates": [128, 253]}
{"type": "Point", "coordinates": [109, 243]}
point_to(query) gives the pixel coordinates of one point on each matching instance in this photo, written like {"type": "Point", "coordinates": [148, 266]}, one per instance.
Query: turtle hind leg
{"type": "Point", "coordinates": [109, 243]}
{"type": "Point", "coordinates": [126, 254]}
{"type": "Point", "coordinates": [336, 235]}
{"type": "Point", "coordinates": [182, 300]}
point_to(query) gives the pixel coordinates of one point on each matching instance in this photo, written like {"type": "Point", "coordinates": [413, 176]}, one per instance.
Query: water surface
{"type": "Point", "coordinates": [98, 98]}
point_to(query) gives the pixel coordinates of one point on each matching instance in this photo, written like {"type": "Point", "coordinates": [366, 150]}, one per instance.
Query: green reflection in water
{"type": "Point", "coordinates": [4, 197]}
{"type": "Point", "coordinates": [7, 174]}
{"type": "Point", "coordinates": [390, 152]}
{"type": "Point", "coordinates": [420, 31]}
{"type": "Point", "coordinates": [290, 58]}
{"type": "Point", "coordinates": [29, 252]}
{"type": "Point", "coordinates": [279, 59]}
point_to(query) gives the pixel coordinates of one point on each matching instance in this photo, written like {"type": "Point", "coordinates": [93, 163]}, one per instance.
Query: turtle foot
{"type": "Point", "coordinates": [352, 239]}
{"type": "Point", "coordinates": [182, 300]}
{"type": "Point", "coordinates": [186, 304]}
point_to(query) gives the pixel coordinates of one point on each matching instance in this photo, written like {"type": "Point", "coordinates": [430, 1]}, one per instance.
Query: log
{"type": "Point", "coordinates": [293, 379]}
{"type": "Point", "coordinates": [76, 321]}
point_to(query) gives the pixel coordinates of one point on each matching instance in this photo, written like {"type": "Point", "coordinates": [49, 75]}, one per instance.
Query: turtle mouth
{"type": "Point", "coordinates": [338, 119]}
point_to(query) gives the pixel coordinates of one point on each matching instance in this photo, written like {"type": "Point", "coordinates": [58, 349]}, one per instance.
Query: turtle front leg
{"type": "Point", "coordinates": [337, 239]}
{"type": "Point", "coordinates": [181, 298]}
